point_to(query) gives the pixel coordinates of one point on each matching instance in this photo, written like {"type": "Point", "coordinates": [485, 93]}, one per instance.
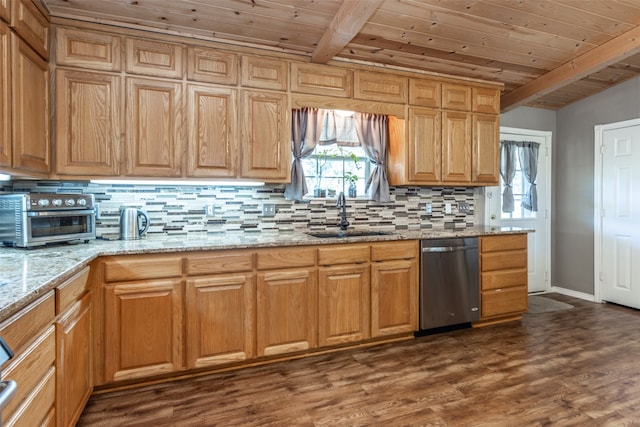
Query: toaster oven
{"type": "Point", "coordinates": [35, 219]}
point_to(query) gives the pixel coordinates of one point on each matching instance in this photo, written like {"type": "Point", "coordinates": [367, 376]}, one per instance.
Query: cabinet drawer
{"type": "Point", "coordinates": [87, 49]}
{"type": "Point", "coordinates": [504, 279]}
{"type": "Point", "coordinates": [394, 250]}
{"type": "Point", "coordinates": [503, 302]}
{"type": "Point", "coordinates": [31, 25]}
{"type": "Point", "coordinates": [321, 80]}
{"type": "Point", "coordinates": [456, 97]}
{"type": "Point", "coordinates": [285, 258]}
{"type": "Point", "coordinates": [71, 290]}
{"type": "Point", "coordinates": [380, 87]}
{"type": "Point", "coordinates": [21, 328]}
{"type": "Point", "coordinates": [343, 254]}
{"type": "Point", "coordinates": [121, 269]}
{"type": "Point", "coordinates": [154, 58]}
{"type": "Point", "coordinates": [29, 368]}
{"type": "Point", "coordinates": [503, 260]}
{"type": "Point", "coordinates": [264, 73]}
{"type": "Point", "coordinates": [505, 242]}
{"type": "Point", "coordinates": [212, 66]}
{"type": "Point", "coordinates": [222, 262]}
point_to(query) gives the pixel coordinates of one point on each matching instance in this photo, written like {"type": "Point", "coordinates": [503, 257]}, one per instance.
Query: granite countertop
{"type": "Point", "coordinates": [26, 274]}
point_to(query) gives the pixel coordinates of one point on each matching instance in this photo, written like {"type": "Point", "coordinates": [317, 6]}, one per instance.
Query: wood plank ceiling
{"type": "Point", "coordinates": [548, 53]}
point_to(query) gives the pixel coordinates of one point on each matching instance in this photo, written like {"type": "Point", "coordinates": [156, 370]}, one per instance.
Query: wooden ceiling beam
{"type": "Point", "coordinates": [346, 24]}
{"type": "Point", "coordinates": [615, 50]}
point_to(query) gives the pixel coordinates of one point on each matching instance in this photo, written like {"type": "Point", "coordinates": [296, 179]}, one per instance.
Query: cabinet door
{"type": "Point", "coordinates": [264, 73]}
{"type": "Point", "coordinates": [74, 366]}
{"type": "Point", "coordinates": [88, 49]}
{"type": "Point", "coordinates": [287, 311]}
{"type": "Point", "coordinates": [154, 58]}
{"type": "Point", "coordinates": [212, 66]}
{"type": "Point", "coordinates": [219, 313]}
{"type": "Point", "coordinates": [380, 87]}
{"type": "Point", "coordinates": [321, 80]}
{"type": "Point", "coordinates": [456, 97]}
{"type": "Point", "coordinates": [212, 131]}
{"type": "Point", "coordinates": [343, 304]}
{"type": "Point", "coordinates": [5, 96]}
{"type": "Point", "coordinates": [87, 123]}
{"type": "Point", "coordinates": [425, 93]}
{"type": "Point", "coordinates": [142, 329]}
{"type": "Point", "coordinates": [394, 297]}
{"type": "Point", "coordinates": [456, 147]}
{"type": "Point", "coordinates": [154, 127]}
{"type": "Point", "coordinates": [31, 25]}
{"type": "Point", "coordinates": [30, 108]}
{"type": "Point", "coordinates": [486, 149]}
{"type": "Point", "coordinates": [5, 10]}
{"type": "Point", "coordinates": [486, 100]}
{"type": "Point", "coordinates": [265, 136]}
{"type": "Point", "coordinates": [424, 148]}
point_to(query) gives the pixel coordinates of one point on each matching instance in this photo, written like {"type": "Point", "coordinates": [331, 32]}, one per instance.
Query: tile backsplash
{"type": "Point", "coordinates": [180, 210]}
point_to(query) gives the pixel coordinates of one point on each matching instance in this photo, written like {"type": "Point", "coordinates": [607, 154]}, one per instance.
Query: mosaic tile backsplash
{"type": "Point", "coordinates": [180, 210]}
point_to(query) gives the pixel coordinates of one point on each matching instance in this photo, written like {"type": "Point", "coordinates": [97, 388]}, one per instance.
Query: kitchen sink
{"type": "Point", "coordinates": [341, 234]}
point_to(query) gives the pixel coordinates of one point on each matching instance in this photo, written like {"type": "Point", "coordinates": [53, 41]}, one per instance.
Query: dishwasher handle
{"type": "Point", "coordinates": [447, 248]}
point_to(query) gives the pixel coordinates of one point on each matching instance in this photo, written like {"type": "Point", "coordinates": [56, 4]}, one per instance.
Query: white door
{"type": "Point", "coordinates": [620, 216]}
{"type": "Point", "coordinates": [539, 247]}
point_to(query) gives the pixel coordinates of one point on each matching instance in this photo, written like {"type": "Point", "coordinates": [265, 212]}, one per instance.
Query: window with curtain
{"type": "Point", "coordinates": [338, 151]}
{"type": "Point", "coordinates": [518, 169]}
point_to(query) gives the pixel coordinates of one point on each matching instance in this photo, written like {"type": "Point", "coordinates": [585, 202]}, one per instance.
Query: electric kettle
{"type": "Point", "coordinates": [134, 223]}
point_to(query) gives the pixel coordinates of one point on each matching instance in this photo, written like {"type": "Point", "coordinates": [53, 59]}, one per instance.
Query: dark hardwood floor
{"type": "Point", "coordinates": [579, 367]}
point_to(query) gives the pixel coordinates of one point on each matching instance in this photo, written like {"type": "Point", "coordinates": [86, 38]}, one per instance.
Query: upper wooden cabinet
{"type": "Point", "coordinates": [424, 149]}
{"type": "Point", "coordinates": [486, 100]}
{"type": "Point", "coordinates": [154, 127]}
{"type": "Point", "coordinates": [88, 107]}
{"type": "Point", "coordinates": [5, 10]}
{"type": "Point", "coordinates": [456, 146]}
{"type": "Point", "coordinates": [30, 24]}
{"type": "Point", "coordinates": [321, 80]}
{"type": "Point", "coordinates": [29, 109]}
{"type": "Point", "coordinates": [380, 87]}
{"type": "Point", "coordinates": [212, 131]}
{"type": "Point", "coordinates": [154, 58]}
{"type": "Point", "coordinates": [425, 93]}
{"type": "Point", "coordinates": [5, 96]}
{"type": "Point", "coordinates": [485, 168]}
{"type": "Point", "coordinates": [265, 135]}
{"type": "Point", "coordinates": [88, 49]}
{"type": "Point", "coordinates": [456, 97]}
{"type": "Point", "coordinates": [264, 73]}
{"type": "Point", "coordinates": [212, 66]}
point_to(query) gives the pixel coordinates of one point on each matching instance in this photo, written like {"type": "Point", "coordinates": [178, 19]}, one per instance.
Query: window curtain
{"type": "Point", "coordinates": [306, 125]}
{"type": "Point", "coordinates": [528, 153]}
{"type": "Point", "coordinates": [508, 150]}
{"type": "Point", "coordinates": [373, 133]}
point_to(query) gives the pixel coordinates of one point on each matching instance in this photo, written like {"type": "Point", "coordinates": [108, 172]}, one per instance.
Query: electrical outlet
{"type": "Point", "coordinates": [428, 209]}
{"type": "Point", "coordinates": [447, 208]}
{"type": "Point", "coordinates": [210, 210]}
{"type": "Point", "coordinates": [268, 209]}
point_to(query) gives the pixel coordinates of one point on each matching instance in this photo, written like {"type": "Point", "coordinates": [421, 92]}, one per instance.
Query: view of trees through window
{"type": "Point", "coordinates": [520, 187]}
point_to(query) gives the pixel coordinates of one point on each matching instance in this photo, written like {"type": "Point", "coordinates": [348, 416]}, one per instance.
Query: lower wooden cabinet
{"type": "Point", "coordinates": [143, 329]}
{"type": "Point", "coordinates": [343, 304]}
{"type": "Point", "coordinates": [74, 365]}
{"type": "Point", "coordinates": [286, 311]}
{"type": "Point", "coordinates": [219, 312]}
{"type": "Point", "coordinates": [503, 277]}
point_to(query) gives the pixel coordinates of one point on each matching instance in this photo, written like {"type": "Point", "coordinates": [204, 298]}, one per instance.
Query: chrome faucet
{"type": "Point", "coordinates": [342, 203]}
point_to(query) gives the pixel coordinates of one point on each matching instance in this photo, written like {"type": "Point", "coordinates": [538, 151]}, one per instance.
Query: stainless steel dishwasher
{"type": "Point", "coordinates": [449, 277]}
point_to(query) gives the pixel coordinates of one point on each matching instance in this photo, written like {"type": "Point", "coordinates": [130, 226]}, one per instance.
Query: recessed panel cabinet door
{"type": "Point", "coordinates": [142, 329]}
{"type": "Point", "coordinates": [154, 127]}
{"type": "Point", "coordinates": [486, 149]}
{"type": "Point", "coordinates": [265, 136]}
{"type": "Point", "coordinates": [88, 123]}
{"type": "Point", "coordinates": [212, 131]}
{"type": "Point", "coordinates": [5, 96]}
{"type": "Point", "coordinates": [424, 148]}
{"type": "Point", "coordinates": [29, 108]}
{"type": "Point", "coordinates": [394, 297]}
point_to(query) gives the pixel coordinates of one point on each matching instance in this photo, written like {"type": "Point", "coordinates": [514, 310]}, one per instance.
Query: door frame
{"type": "Point", "coordinates": [597, 200]}
{"type": "Point", "coordinates": [548, 138]}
